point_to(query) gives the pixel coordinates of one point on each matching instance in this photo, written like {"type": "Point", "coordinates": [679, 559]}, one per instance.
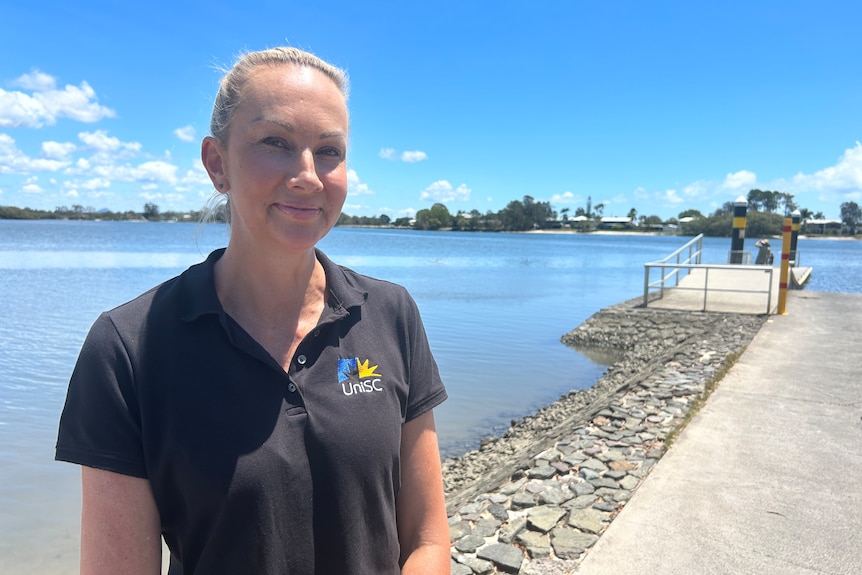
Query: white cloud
{"type": "Point", "coordinates": [102, 142]}
{"type": "Point", "coordinates": [740, 179]}
{"type": "Point", "coordinates": [32, 189]}
{"type": "Point", "coordinates": [36, 82]}
{"type": "Point", "coordinates": [186, 133]}
{"type": "Point", "coordinates": [355, 187]}
{"type": "Point", "coordinates": [72, 194]}
{"type": "Point", "coordinates": [409, 157]}
{"type": "Point", "coordinates": [413, 157]}
{"type": "Point", "coordinates": [60, 151]}
{"type": "Point", "coordinates": [96, 184]}
{"type": "Point", "coordinates": [672, 198]}
{"type": "Point", "coordinates": [47, 104]}
{"type": "Point", "coordinates": [442, 191]}
{"type": "Point", "coordinates": [197, 176]}
{"type": "Point", "coordinates": [566, 198]}
{"type": "Point", "coordinates": [155, 171]}
{"type": "Point", "coordinates": [14, 161]}
{"type": "Point", "coordinates": [842, 178]}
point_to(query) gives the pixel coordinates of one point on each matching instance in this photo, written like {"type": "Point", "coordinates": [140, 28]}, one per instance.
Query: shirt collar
{"type": "Point", "coordinates": [199, 297]}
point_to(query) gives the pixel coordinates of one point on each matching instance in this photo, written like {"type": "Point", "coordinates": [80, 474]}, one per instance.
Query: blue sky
{"type": "Point", "coordinates": [659, 106]}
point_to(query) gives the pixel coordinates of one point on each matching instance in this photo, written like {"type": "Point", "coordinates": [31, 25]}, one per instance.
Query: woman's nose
{"type": "Point", "coordinates": [306, 176]}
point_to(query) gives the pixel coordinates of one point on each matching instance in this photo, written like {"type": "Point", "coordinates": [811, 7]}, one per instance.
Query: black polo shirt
{"type": "Point", "coordinates": [255, 470]}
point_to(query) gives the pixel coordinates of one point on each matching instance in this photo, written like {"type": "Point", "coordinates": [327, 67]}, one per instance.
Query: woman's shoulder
{"type": "Point", "coordinates": [186, 295]}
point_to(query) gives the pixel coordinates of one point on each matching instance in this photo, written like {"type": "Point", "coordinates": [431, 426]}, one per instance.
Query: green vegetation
{"type": "Point", "coordinates": [77, 212]}
{"type": "Point", "coordinates": [762, 218]}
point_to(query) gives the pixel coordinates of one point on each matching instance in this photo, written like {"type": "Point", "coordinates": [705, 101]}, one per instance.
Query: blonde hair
{"type": "Point", "coordinates": [235, 79]}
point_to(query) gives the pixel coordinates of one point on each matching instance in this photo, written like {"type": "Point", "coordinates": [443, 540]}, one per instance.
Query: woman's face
{"type": "Point", "coordinates": [285, 163]}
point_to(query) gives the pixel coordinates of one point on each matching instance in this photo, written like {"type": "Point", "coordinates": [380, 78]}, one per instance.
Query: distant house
{"type": "Point", "coordinates": [822, 226]}
{"type": "Point", "coordinates": [612, 222]}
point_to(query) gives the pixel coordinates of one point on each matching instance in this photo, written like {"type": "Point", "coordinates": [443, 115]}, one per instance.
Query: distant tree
{"type": "Point", "coordinates": [726, 209]}
{"type": "Point", "coordinates": [786, 200]}
{"type": "Point", "coordinates": [818, 216]}
{"type": "Point", "coordinates": [565, 214]}
{"type": "Point", "coordinates": [851, 216]}
{"type": "Point", "coordinates": [579, 211]}
{"type": "Point", "coordinates": [652, 221]}
{"type": "Point", "coordinates": [384, 220]}
{"type": "Point", "coordinates": [763, 224]}
{"type": "Point", "coordinates": [402, 222]}
{"type": "Point", "coordinates": [151, 211]}
{"type": "Point", "coordinates": [805, 214]}
{"type": "Point", "coordinates": [600, 209]}
{"type": "Point", "coordinates": [690, 214]}
{"type": "Point", "coordinates": [436, 217]}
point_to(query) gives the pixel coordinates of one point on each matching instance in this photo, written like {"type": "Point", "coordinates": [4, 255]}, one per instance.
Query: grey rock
{"type": "Point", "coordinates": [504, 556]}
{"type": "Point", "coordinates": [469, 543]}
{"type": "Point", "coordinates": [538, 545]}
{"type": "Point", "coordinates": [498, 512]}
{"type": "Point", "coordinates": [570, 543]}
{"type": "Point", "coordinates": [581, 502]}
{"type": "Point", "coordinates": [487, 527]}
{"type": "Point", "coordinates": [459, 569]}
{"type": "Point", "coordinates": [476, 565]}
{"type": "Point", "coordinates": [629, 482]}
{"type": "Point", "coordinates": [509, 531]}
{"type": "Point", "coordinates": [555, 495]}
{"type": "Point", "coordinates": [544, 518]}
{"type": "Point", "coordinates": [523, 501]}
{"type": "Point", "coordinates": [588, 520]}
{"type": "Point", "coordinates": [541, 472]}
{"type": "Point", "coordinates": [459, 530]}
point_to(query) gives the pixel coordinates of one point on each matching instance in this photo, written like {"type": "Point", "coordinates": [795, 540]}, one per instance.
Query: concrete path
{"type": "Point", "coordinates": [767, 479]}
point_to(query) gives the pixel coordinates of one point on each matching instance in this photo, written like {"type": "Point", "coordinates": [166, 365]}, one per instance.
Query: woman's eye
{"type": "Point", "coordinates": [331, 153]}
{"type": "Point", "coordinates": [276, 142]}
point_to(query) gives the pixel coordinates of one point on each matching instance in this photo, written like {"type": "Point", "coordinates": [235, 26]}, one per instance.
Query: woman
{"type": "Point", "coordinates": [266, 411]}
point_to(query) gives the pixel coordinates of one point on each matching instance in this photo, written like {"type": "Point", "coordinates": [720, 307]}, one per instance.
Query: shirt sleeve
{"type": "Point", "coordinates": [100, 425]}
{"type": "Point", "coordinates": [426, 387]}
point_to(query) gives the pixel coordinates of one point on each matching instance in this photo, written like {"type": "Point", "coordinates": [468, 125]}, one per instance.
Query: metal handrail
{"type": "Point", "coordinates": [769, 270]}
{"type": "Point", "coordinates": [695, 254]}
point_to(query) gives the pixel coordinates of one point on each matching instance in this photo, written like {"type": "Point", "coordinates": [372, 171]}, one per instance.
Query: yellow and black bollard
{"type": "Point", "coordinates": [785, 267]}
{"type": "Point", "coordinates": [795, 218]}
{"type": "Point", "coordinates": [737, 238]}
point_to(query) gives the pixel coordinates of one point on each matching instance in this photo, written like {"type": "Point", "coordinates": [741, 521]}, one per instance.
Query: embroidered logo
{"type": "Point", "coordinates": [357, 377]}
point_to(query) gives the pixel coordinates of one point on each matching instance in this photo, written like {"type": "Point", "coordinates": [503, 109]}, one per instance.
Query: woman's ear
{"type": "Point", "coordinates": [212, 156]}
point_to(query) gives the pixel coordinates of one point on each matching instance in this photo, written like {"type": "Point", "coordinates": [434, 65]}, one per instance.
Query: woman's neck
{"type": "Point", "coordinates": [277, 299]}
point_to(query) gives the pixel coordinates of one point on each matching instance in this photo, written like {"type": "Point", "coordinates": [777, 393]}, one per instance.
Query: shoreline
{"type": "Point", "coordinates": [535, 499]}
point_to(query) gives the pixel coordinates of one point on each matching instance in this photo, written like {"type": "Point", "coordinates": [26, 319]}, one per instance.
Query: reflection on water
{"type": "Point", "coordinates": [79, 260]}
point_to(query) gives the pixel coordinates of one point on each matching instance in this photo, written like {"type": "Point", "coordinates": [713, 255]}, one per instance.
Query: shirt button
{"type": "Point", "coordinates": [291, 387]}
{"type": "Point", "coordinates": [301, 360]}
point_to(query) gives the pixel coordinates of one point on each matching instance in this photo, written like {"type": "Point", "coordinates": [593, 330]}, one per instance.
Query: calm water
{"type": "Point", "coordinates": [494, 305]}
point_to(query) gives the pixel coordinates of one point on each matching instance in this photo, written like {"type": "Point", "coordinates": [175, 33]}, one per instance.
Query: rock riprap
{"type": "Point", "coordinates": [537, 498]}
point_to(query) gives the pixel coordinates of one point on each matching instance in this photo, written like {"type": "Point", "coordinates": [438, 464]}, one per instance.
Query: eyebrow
{"type": "Point", "coordinates": [291, 128]}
